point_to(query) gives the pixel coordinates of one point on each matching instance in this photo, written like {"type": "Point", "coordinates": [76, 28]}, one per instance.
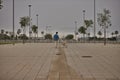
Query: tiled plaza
{"type": "Point", "coordinates": [42, 61]}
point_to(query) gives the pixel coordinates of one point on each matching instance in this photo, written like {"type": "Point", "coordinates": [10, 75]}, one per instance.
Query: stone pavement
{"type": "Point", "coordinates": [43, 61]}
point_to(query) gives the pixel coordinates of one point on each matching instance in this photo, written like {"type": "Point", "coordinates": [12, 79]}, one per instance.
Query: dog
{"type": "Point", "coordinates": [64, 43]}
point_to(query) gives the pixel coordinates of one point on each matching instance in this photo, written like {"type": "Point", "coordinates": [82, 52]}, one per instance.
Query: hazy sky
{"type": "Point", "coordinates": [59, 14]}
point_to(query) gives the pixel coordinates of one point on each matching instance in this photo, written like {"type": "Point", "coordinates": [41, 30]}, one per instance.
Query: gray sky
{"type": "Point", "coordinates": [59, 14]}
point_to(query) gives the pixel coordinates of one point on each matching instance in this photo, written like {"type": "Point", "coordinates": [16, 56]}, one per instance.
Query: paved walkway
{"type": "Point", "coordinates": [43, 61]}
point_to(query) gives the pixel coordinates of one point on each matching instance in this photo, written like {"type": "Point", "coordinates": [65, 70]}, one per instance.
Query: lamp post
{"type": "Point", "coordinates": [84, 18]}
{"type": "Point", "coordinates": [75, 29]}
{"type": "Point", "coordinates": [37, 24]}
{"type": "Point", "coordinates": [30, 20]}
{"type": "Point", "coordinates": [13, 23]}
{"type": "Point", "coordinates": [94, 20]}
{"type": "Point", "coordinates": [84, 23]}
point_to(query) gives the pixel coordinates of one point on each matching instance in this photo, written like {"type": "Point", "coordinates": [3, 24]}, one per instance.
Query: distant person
{"type": "Point", "coordinates": [56, 39]}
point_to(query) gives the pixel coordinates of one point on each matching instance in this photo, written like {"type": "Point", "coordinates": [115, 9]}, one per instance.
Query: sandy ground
{"type": "Point", "coordinates": [43, 61]}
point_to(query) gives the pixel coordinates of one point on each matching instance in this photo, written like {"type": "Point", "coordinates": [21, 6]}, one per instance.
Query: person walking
{"type": "Point", "coordinates": [56, 39]}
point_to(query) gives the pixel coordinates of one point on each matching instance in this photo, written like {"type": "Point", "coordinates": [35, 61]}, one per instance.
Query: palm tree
{"type": "Point", "coordinates": [104, 21]}
{"type": "Point", "coordinates": [88, 35]}
{"type": "Point", "coordinates": [82, 30]}
{"type": "Point", "coordinates": [42, 32]}
{"type": "Point", "coordinates": [24, 22]}
{"type": "Point", "coordinates": [35, 30]}
{"type": "Point", "coordinates": [1, 4]}
{"type": "Point", "coordinates": [30, 32]}
{"type": "Point", "coordinates": [6, 32]}
{"type": "Point", "coordinates": [99, 33]}
{"type": "Point", "coordinates": [2, 31]}
{"type": "Point", "coordinates": [112, 34]}
{"type": "Point", "coordinates": [18, 31]}
{"type": "Point", "coordinates": [6, 35]}
{"type": "Point", "coordinates": [88, 23]}
{"type": "Point", "coordinates": [116, 33]}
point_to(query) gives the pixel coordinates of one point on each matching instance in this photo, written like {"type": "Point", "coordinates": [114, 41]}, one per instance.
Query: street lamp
{"type": "Point", "coordinates": [30, 20]}
{"type": "Point", "coordinates": [37, 23]}
{"type": "Point", "coordinates": [84, 17]}
{"type": "Point", "coordinates": [75, 29]}
{"type": "Point", "coordinates": [94, 20]}
{"type": "Point", "coordinates": [13, 23]}
{"type": "Point", "coordinates": [84, 21]}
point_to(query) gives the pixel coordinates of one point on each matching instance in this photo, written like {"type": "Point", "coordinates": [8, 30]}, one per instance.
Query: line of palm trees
{"type": "Point", "coordinates": [115, 33]}
{"type": "Point", "coordinates": [103, 20]}
{"type": "Point", "coordinates": [24, 22]}
{"type": "Point", "coordinates": [112, 34]}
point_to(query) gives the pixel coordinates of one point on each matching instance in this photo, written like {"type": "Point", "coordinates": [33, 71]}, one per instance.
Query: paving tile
{"type": "Point", "coordinates": [112, 79]}
{"type": "Point", "coordinates": [53, 79]}
{"type": "Point", "coordinates": [100, 79]}
{"type": "Point", "coordinates": [41, 79]}
{"type": "Point", "coordinates": [89, 79]}
{"type": "Point", "coordinates": [98, 75]}
{"type": "Point", "coordinates": [77, 79]}
{"type": "Point", "coordinates": [53, 75]}
{"type": "Point", "coordinates": [65, 78]}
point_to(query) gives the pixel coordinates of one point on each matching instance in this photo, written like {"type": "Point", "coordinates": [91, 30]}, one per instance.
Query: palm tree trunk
{"type": "Point", "coordinates": [105, 36]}
{"type": "Point", "coordinates": [84, 38]}
{"type": "Point", "coordinates": [89, 38]}
{"type": "Point", "coordinates": [23, 34]}
{"type": "Point", "coordinates": [37, 35]}
{"type": "Point", "coordinates": [116, 38]}
{"type": "Point", "coordinates": [34, 37]}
